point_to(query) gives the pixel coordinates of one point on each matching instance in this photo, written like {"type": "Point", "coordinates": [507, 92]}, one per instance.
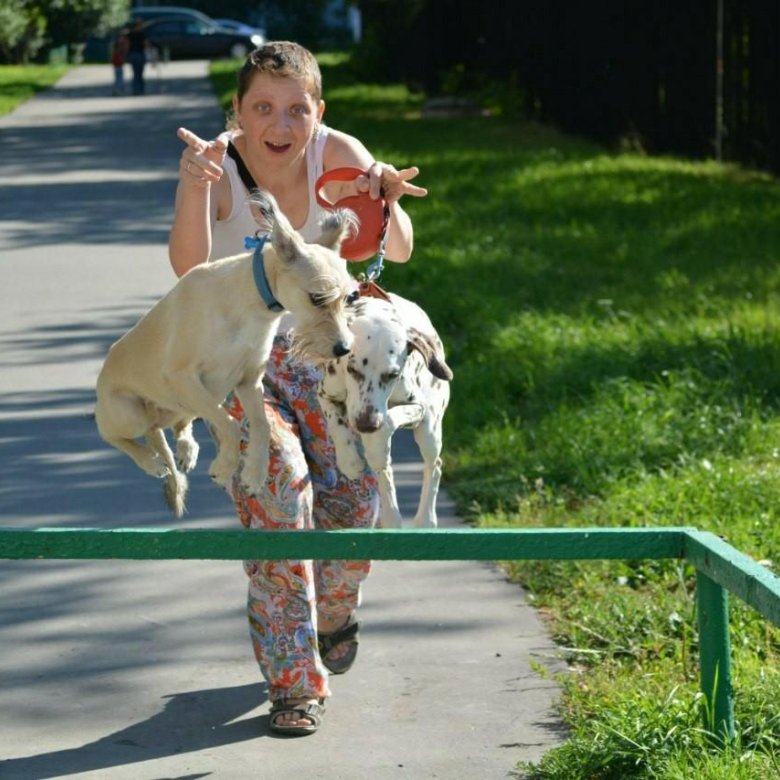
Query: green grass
{"type": "Point", "coordinates": [20, 82]}
{"type": "Point", "coordinates": [613, 321]}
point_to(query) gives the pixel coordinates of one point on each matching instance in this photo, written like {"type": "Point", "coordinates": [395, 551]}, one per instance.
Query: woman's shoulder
{"type": "Point", "coordinates": [342, 149]}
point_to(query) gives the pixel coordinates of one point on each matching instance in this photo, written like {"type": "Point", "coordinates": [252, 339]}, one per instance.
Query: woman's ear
{"type": "Point", "coordinates": [320, 110]}
{"type": "Point", "coordinates": [235, 110]}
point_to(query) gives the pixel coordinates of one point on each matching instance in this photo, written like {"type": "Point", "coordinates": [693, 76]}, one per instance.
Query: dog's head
{"type": "Point", "coordinates": [388, 358]}
{"type": "Point", "coordinates": [310, 280]}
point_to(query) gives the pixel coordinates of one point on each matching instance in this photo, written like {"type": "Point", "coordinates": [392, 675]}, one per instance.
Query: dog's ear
{"type": "Point", "coordinates": [336, 226]}
{"type": "Point", "coordinates": [284, 238]}
{"type": "Point", "coordinates": [264, 208]}
{"type": "Point", "coordinates": [427, 347]}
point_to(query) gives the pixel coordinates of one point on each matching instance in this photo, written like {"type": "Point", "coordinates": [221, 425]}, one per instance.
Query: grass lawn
{"type": "Point", "coordinates": [613, 321]}
{"type": "Point", "coordinates": [20, 82]}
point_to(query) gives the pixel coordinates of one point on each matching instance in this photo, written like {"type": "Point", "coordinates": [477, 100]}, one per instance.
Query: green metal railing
{"type": "Point", "coordinates": [720, 568]}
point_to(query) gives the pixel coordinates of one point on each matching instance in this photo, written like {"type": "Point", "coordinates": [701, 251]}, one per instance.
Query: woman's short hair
{"type": "Point", "coordinates": [284, 59]}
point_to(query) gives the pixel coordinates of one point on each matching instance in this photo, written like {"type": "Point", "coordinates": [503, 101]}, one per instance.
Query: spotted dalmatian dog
{"type": "Point", "coordinates": [394, 377]}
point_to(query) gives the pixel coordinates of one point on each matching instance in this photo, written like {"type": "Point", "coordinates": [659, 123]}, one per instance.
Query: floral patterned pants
{"type": "Point", "coordinates": [304, 490]}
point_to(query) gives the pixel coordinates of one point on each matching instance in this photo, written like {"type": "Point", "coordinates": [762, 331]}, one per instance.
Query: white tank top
{"type": "Point", "coordinates": [228, 234]}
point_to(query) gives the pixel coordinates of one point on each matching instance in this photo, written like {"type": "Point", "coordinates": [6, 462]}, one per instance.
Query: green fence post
{"type": "Point", "coordinates": [715, 657]}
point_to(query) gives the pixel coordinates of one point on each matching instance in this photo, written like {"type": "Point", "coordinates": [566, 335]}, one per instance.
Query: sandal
{"type": "Point", "coordinates": [312, 711]}
{"type": "Point", "coordinates": [326, 642]}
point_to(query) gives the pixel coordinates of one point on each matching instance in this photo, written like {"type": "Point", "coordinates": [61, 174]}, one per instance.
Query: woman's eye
{"type": "Point", "coordinates": [263, 108]}
{"type": "Point", "coordinates": [298, 110]}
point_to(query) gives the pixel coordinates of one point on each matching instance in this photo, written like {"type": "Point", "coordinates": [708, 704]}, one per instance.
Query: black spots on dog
{"type": "Point", "coordinates": [331, 368]}
{"type": "Point", "coordinates": [365, 361]}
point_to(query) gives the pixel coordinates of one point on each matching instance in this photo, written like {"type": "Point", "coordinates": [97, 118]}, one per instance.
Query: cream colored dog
{"type": "Point", "coordinates": [212, 333]}
{"type": "Point", "coordinates": [394, 377]}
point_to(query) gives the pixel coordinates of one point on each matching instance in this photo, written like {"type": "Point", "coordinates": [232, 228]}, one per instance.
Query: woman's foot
{"type": "Point", "coordinates": [296, 717]}
{"type": "Point", "coordinates": [338, 642]}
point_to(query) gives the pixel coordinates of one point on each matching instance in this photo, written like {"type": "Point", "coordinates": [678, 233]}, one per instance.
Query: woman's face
{"type": "Point", "coordinates": [278, 117]}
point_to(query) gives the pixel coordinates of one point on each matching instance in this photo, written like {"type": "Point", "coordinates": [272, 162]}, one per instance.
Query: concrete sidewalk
{"type": "Point", "coordinates": [144, 670]}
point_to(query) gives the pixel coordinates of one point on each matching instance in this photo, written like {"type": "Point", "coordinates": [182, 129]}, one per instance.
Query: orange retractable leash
{"type": "Point", "coordinates": [373, 215]}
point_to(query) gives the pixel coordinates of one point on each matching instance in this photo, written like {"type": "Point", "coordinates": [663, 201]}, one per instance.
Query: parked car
{"type": "Point", "coordinates": [151, 12]}
{"type": "Point", "coordinates": [182, 38]}
{"type": "Point", "coordinates": [240, 27]}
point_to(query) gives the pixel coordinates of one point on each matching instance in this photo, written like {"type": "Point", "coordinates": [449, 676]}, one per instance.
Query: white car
{"type": "Point", "coordinates": [242, 29]}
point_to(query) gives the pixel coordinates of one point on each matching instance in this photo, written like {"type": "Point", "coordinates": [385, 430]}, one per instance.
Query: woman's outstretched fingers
{"type": "Point", "coordinates": [384, 178]}
{"type": "Point", "coordinates": [201, 161]}
{"type": "Point", "coordinates": [411, 189]}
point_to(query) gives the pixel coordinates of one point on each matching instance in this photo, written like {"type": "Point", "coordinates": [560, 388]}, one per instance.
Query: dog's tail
{"type": "Point", "coordinates": [175, 485]}
{"type": "Point", "coordinates": [175, 491]}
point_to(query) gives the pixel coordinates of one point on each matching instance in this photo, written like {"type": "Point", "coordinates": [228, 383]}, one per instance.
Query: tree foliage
{"type": "Point", "coordinates": [28, 27]}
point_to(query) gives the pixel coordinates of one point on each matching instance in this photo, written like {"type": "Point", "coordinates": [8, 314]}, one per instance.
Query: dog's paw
{"type": "Point", "coordinates": [187, 454]}
{"type": "Point", "coordinates": [222, 469]}
{"type": "Point", "coordinates": [390, 518]}
{"type": "Point", "coordinates": [155, 467]}
{"type": "Point", "coordinates": [254, 474]}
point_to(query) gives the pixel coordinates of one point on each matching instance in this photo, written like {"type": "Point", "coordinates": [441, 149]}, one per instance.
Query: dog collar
{"type": "Point", "coordinates": [257, 243]}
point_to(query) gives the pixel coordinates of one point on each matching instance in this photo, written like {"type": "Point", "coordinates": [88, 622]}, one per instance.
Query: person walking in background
{"type": "Point", "coordinates": [302, 613]}
{"type": "Point", "coordinates": [136, 55]}
{"type": "Point", "coordinates": [119, 52]}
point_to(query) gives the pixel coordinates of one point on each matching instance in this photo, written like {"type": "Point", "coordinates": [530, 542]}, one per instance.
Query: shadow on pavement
{"type": "Point", "coordinates": [189, 722]}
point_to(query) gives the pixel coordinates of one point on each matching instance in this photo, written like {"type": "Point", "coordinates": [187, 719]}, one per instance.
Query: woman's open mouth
{"type": "Point", "coordinates": [277, 148]}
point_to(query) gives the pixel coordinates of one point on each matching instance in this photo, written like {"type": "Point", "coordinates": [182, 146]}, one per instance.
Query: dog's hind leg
{"type": "Point", "coordinates": [175, 490]}
{"type": "Point", "coordinates": [120, 420]}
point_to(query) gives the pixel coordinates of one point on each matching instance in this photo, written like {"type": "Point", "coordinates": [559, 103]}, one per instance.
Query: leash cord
{"type": "Point", "coordinates": [375, 269]}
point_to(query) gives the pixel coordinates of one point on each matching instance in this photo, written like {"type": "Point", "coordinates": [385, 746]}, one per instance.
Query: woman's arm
{"type": "Point", "coordinates": [344, 150]}
{"type": "Point", "coordinates": [197, 200]}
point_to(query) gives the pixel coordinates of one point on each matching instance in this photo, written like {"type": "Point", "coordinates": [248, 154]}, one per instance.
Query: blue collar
{"type": "Point", "coordinates": [258, 270]}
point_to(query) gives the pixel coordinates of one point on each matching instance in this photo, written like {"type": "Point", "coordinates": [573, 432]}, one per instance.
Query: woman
{"type": "Point", "coordinates": [301, 613]}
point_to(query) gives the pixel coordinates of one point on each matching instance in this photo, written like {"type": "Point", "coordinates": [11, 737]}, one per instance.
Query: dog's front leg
{"type": "Point", "coordinates": [428, 435]}
{"type": "Point", "coordinates": [187, 448]}
{"type": "Point", "coordinates": [377, 447]}
{"type": "Point", "coordinates": [256, 462]}
{"type": "Point", "coordinates": [196, 400]}
{"type": "Point", "coordinates": [348, 457]}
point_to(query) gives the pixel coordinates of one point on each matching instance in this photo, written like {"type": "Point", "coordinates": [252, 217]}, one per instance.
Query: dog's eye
{"type": "Point", "coordinates": [318, 299]}
{"type": "Point", "coordinates": [390, 376]}
{"type": "Point", "coordinates": [352, 297]}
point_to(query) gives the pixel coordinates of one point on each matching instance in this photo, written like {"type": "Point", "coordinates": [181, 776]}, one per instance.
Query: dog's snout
{"type": "Point", "coordinates": [340, 349]}
{"type": "Point", "coordinates": [368, 421]}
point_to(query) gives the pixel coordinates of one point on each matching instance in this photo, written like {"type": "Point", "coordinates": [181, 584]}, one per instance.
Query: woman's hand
{"type": "Point", "coordinates": [391, 182]}
{"type": "Point", "coordinates": [201, 161]}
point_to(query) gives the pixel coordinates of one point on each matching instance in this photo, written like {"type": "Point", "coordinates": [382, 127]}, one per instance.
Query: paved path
{"type": "Point", "coordinates": [143, 670]}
